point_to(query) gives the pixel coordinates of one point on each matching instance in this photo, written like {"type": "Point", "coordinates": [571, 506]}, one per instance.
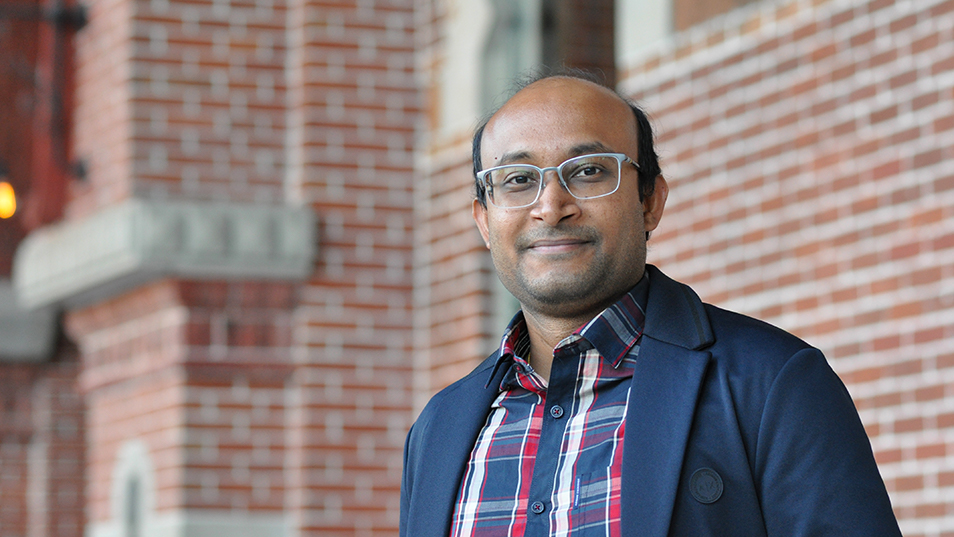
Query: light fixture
{"type": "Point", "coordinates": [8, 200]}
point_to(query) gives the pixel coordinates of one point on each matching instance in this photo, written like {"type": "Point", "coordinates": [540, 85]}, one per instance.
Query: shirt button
{"type": "Point", "coordinates": [556, 411]}
{"type": "Point", "coordinates": [537, 507]}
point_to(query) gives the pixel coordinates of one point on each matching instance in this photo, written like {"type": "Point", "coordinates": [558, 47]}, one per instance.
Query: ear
{"type": "Point", "coordinates": [653, 205]}
{"type": "Point", "coordinates": [480, 218]}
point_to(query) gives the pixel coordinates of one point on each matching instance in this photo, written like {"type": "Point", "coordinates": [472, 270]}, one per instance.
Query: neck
{"type": "Point", "coordinates": [545, 333]}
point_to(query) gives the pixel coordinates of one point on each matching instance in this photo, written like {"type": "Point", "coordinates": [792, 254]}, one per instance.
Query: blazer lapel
{"type": "Point", "coordinates": [667, 380]}
{"type": "Point", "coordinates": [448, 439]}
{"type": "Point", "coordinates": [666, 384]}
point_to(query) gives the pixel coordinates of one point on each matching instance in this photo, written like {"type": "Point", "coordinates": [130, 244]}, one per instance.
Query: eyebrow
{"type": "Point", "coordinates": [522, 156]}
{"type": "Point", "coordinates": [590, 147]}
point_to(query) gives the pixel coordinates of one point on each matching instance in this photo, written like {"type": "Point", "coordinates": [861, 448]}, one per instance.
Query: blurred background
{"type": "Point", "coordinates": [236, 251]}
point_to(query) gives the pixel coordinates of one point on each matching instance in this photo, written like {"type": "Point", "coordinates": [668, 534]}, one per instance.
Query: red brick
{"type": "Point", "coordinates": [877, 5]}
{"type": "Point", "coordinates": [932, 393]}
{"type": "Point", "coordinates": [942, 8]}
{"type": "Point", "coordinates": [863, 38]}
{"type": "Point", "coordinates": [884, 114]}
{"type": "Point", "coordinates": [928, 158]}
{"type": "Point", "coordinates": [909, 425]}
{"type": "Point", "coordinates": [908, 483]}
{"type": "Point", "coordinates": [943, 66]}
{"type": "Point", "coordinates": [841, 17]}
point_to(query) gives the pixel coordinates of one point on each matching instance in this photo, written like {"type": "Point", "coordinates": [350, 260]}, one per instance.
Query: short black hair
{"type": "Point", "coordinates": [647, 158]}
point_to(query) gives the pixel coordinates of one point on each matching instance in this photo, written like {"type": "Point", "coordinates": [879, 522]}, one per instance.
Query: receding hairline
{"type": "Point", "coordinates": [565, 80]}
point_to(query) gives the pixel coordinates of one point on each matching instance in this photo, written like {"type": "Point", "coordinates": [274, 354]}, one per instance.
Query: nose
{"type": "Point", "coordinates": [555, 203]}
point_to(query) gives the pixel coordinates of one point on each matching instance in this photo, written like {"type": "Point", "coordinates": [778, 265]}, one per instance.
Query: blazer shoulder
{"type": "Point", "coordinates": [752, 348]}
{"type": "Point", "coordinates": [464, 387]}
{"type": "Point", "coordinates": [741, 332]}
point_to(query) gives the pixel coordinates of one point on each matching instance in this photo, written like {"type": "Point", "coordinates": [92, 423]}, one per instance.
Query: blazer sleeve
{"type": "Point", "coordinates": [405, 485]}
{"type": "Point", "coordinates": [814, 465]}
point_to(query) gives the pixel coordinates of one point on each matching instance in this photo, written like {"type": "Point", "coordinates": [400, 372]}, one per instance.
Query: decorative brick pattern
{"type": "Point", "coordinates": [806, 145]}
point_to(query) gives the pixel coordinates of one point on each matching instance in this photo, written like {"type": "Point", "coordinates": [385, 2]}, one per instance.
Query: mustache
{"type": "Point", "coordinates": [583, 234]}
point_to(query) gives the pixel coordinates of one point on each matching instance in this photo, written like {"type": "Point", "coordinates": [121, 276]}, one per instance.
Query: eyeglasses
{"type": "Point", "coordinates": [585, 177]}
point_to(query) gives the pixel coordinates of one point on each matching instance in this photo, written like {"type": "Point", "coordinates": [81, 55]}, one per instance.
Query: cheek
{"type": "Point", "coordinates": [623, 225]}
{"type": "Point", "coordinates": [501, 230]}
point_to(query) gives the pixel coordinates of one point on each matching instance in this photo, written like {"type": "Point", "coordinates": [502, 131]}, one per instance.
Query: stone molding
{"type": "Point", "coordinates": [77, 263]}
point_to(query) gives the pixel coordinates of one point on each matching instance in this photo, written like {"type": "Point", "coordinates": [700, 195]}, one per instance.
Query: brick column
{"type": "Point", "coordinates": [352, 86]}
{"type": "Point", "coordinates": [177, 266]}
{"type": "Point", "coordinates": [195, 373]}
{"type": "Point", "coordinates": [16, 428]}
{"type": "Point", "coordinates": [42, 449]}
{"type": "Point", "coordinates": [57, 452]}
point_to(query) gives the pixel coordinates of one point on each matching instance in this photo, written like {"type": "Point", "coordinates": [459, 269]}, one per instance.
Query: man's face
{"type": "Point", "coordinates": [565, 257]}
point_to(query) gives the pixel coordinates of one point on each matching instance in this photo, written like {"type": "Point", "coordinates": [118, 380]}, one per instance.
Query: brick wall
{"type": "Point", "coordinates": [806, 144]}
{"type": "Point", "coordinates": [180, 99]}
{"type": "Point", "coordinates": [18, 49]}
{"type": "Point", "coordinates": [353, 91]}
{"type": "Point", "coordinates": [452, 293]}
{"type": "Point", "coordinates": [57, 453]}
{"type": "Point", "coordinates": [196, 371]}
{"type": "Point", "coordinates": [42, 449]}
{"type": "Point", "coordinates": [16, 427]}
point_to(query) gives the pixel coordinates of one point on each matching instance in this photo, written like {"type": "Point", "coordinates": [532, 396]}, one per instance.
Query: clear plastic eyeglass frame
{"type": "Point", "coordinates": [485, 179]}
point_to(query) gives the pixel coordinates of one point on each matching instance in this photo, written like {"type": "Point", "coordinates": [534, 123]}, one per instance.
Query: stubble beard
{"type": "Point", "coordinates": [574, 294]}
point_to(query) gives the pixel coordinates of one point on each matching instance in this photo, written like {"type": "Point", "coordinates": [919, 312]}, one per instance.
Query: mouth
{"type": "Point", "coordinates": [556, 246]}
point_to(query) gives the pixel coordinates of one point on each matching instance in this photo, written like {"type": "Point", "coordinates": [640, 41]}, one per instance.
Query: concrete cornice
{"type": "Point", "coordinates": [81, 262]}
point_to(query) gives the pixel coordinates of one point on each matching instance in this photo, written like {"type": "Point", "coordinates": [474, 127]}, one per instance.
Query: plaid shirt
{"type": "Point", "coordinates": [548, 460]}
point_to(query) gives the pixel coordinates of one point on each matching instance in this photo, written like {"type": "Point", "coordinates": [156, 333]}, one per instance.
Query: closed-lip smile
{"type": "Point", "coordinates": [556, 245]}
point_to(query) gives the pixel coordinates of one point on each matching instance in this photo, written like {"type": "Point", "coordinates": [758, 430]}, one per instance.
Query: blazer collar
{"type": "Point", "coordinates": [675, 314]}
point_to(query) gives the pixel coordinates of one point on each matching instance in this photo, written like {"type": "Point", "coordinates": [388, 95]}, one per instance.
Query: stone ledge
{"type": "Point", "coordinates": [77, 263]}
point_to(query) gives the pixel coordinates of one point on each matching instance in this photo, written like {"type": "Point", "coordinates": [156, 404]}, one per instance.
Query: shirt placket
{"type": "Point", "coordinates": [559, 404]}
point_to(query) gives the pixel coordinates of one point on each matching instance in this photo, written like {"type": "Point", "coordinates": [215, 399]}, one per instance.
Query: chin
{"type": "Point", "coordinates": [563, 293]}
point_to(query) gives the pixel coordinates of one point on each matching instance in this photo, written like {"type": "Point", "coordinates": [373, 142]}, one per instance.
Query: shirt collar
{"type": "Point", "coordinates": [613, 332]}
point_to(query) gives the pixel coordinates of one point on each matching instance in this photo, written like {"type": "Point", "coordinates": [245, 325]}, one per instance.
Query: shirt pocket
{"type": "Point", "coordinates": [591, 506]}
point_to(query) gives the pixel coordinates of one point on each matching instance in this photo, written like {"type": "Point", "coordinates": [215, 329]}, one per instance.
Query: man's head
{"type": "Point", "coordinates": [648, 160]}
{"type": "Point", "coordinates": [563, 256]}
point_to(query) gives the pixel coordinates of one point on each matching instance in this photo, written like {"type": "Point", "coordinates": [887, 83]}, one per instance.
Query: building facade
{"type": "Point", "coordinates": [256, 261]}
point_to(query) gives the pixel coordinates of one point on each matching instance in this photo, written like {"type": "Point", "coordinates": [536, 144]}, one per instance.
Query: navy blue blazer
{"type": "Point", "coordinates": [734, 428]}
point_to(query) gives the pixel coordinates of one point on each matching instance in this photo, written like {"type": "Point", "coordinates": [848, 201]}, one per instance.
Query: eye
{"type": "Point", "coordinates": [516, 180]}
{"type": "Point", "coordinates": [587, 171]}
{"type": "Point", "coordinates": [590, 169]}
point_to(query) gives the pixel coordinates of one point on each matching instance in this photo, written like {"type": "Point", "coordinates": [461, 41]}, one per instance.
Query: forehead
{"type": "Point", "coordinates": [550, 119]}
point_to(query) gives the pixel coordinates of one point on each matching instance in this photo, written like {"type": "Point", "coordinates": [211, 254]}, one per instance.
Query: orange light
{"type": "Point", "coordinates": [8, 200]}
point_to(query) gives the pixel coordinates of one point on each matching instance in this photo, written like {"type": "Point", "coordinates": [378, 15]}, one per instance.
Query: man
{"type": "Point", "coordinates": [619, 404]}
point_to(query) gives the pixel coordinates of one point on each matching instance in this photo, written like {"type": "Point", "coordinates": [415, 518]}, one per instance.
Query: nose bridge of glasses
{"type": "Point", "coordinates": [559, 175]}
